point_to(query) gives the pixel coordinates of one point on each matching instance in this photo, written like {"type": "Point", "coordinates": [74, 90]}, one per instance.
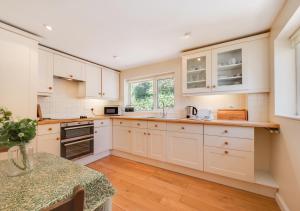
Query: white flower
{"type": "Point", "coordinates": [1, 125]}
{"type": "Point", "coordinates": [21, 135]}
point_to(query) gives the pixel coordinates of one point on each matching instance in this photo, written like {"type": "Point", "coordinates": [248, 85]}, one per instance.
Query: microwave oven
{"type": "Point", "coordinates": [112, 110]}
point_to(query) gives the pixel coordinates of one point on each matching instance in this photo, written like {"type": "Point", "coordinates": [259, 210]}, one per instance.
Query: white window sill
{"type": "Point", "coordinates": [293, 117]}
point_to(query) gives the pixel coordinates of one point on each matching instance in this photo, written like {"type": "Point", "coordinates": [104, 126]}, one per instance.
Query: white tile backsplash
{"type": "Point", "coordinates": [65, 103]}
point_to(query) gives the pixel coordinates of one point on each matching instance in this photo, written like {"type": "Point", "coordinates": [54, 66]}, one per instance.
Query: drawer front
{"type": "Point", "coordinates": [229, 163]}
{"type": "Point", "coordinates": [229, 131]}
{"type": "Point", "coordinates": [122, 122]}
{"type": "Point", "coordinates": [48, 129]}
{"type": "Point", "coordinates": [229, 143]}
{"type": "Point", "coordinates": [157, 125]}
{"type": "Point", "coordinates": [189, 128]}
{"type": "Point", "coordinates": [139, 124]}
{"type": "Point", "coordinates": [102, 123]}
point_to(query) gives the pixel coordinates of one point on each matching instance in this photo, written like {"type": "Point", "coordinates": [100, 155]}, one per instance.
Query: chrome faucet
{"type": "Point", "coordinates": [164, 112]}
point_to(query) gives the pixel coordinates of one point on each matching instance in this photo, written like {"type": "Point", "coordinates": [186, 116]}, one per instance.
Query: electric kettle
{"type": "Point", "coordinates": [191, 112]}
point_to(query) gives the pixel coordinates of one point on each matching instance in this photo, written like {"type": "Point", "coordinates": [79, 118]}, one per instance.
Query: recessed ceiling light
{"type": "Point", "coordinates": [48, 27]}
{"type": "Point", "coordinates": [186, 35]}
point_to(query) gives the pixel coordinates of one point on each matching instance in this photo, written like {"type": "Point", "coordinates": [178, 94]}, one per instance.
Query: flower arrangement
{"type": "Point", "coordinates": [17, 133]}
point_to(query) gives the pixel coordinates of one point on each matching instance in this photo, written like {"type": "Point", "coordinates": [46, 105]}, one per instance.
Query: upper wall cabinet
{"type": "Point", "coordinates": [68, 68]}
{"type": "Point", "coordinates": [110, 84]}
{"type": "Point", "coordinates": [45, 73]}
{"type": "Point", "coordinates": [239, 66]}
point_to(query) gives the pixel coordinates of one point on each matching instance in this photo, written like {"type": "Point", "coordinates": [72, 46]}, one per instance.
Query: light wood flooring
{"type": "Point", "coordinates": [142, 187]}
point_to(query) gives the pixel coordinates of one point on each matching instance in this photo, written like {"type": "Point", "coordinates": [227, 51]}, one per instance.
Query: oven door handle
{"type": "Point", "coordinates": [77, 142]}
{"type": "Point", "coordinates": [78, 127]}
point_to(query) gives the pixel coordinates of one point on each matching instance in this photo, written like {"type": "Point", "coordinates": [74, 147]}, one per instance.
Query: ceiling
{"type": "Point", "coordinates": [137, 31]}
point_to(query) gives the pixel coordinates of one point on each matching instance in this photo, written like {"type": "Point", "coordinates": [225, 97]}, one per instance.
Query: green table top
{"type": "Point", "coordinates": [52, 179]}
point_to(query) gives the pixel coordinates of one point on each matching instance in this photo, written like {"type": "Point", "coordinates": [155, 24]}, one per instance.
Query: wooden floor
{"type": "Point", "coordinates": [142, 187]}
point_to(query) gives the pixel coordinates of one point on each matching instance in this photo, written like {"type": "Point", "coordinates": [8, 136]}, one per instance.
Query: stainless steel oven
{"type": "Point", "coordinates": [77, 139]}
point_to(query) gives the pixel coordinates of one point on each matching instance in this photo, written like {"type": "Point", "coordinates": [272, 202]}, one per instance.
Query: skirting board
{"type": "Point", "coordinates": [92, 158]}
{"type": "Point", "coordinates": [281, 203]}
{"type": "Point", "coordinates": [247, 186]}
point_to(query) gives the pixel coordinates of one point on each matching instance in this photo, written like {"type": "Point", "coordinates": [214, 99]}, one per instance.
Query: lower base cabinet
{"type": "Point", "coordinates": [157, 145]}
{"type": "Point", "coordinates": [122, 138]}
{"type": "Point", "coordinates": [185, 149]}
{"type": "Point", "coordinates": [49, 143]}
{"type": "Point", "coordinates": [139, 141]}
{"type": "Point", "coordinates": [102, 139]}
{"type": "Point", "coordinates": [230, 163]}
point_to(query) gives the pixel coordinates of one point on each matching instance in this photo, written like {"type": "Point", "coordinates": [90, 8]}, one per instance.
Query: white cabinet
{"type": "Point", "coordinates": [139, 141]}
{"type": "Point", "coordinates": [45, 73]}
{"type": "Point", "coordinates": [196, 72]}
{"type": "Point", "coordinates": [68, 68]}
{"type": "Point", "coordinates": [122, 138]}
{"type": "Point", "coordinates": [91, 88]}
{"type": "Point", "coordinates": [185, 149]}
{"type": "Point", "coordinates": [102, 136]}
{"type": "Point", "coordinates": [110, 84]}
{"type": "Point", "coordinates": [48, 139]}
{"type": "Point", "coordinates": [157, 144]}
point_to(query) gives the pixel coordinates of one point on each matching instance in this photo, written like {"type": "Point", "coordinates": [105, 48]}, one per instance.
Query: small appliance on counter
{"type": "Point", "coordinates": [129, 108]}
{"type": "Point", "coordinates": [205, 114]}
{"type": "Point", "coordinates": [191, 112]}
{"type": "Point", "coordinates": [232, 114]}
{"type": "Point", "coordinates": [115, 110]}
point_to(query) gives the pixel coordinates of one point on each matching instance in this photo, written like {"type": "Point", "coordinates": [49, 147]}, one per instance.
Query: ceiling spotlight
{"type": "Point", "coordinates": [186, 35]}
{"type": "Point", "coordinates": [48, 27]}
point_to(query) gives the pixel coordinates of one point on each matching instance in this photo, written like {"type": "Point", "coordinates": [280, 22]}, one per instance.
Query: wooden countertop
{"type": "Point", "coordinates": [206, 122]}
{"type": "Point", "coordinates": [57, 121]}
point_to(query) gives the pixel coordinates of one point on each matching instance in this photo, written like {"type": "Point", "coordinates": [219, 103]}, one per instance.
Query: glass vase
{"type": "Point", "coordinates": [20, 160]}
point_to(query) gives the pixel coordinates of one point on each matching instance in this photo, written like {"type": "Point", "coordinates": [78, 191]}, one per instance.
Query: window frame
{"type": "Point", "coordinates": [155, 90]}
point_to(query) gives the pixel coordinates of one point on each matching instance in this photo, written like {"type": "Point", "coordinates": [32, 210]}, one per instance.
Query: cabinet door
{"type": "Point", "coordinates": [68, 68]}
{"type": "Point", "coordinates": [110, 84]}
{"type": "Point", "coordinates": [122, 138]}
{"type": "Point", "coordinates": [185, 149]}
{"type": "Point", "coordinates": [139, 140]}
{"type": "Point", "coordinates": [45, 72]}
{"type": "Point", "coordinates": [102, 139]}
{"type": "Point", "coordinates": [228, 71]}
{"type": "Point", "coordinates": [196, 72]}
{"type": "Point", "coordinates": [157, 144]}
{"type": "Point", "coordinates": [49, 143]}
{"type": "Point", "coordinates": [230, 163]}
{"type": "Point", "coordinates": [93, 81]}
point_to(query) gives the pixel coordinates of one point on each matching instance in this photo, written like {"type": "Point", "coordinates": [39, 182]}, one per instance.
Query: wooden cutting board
{"type": "Point", "coordinates": [232, 114]}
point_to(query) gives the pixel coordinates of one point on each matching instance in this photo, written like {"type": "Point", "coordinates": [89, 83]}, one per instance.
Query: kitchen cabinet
{"type": "Point", "coordinates": [239, 66]}
{"type": "Point", "coordinates": [122, 138]}
{"type": "Point", "coordinates": [139, 141]}
{"type": "Point", "coordinates": [196, 75]}
{"type": "Point", "coordinates": [48, 139]}
{"type": "Point", "coordinates": [45, 73]}
{"type": "Point", "coordinates": [92, 86]}
{"type": "Point", "coordinates": [102, 136]}
{"type": "Point", "coordinates": [157, 144]}
{"type": "Point", "coordinates": [110, 84]}
{"type": "Point", "coordinates": [68, 68]}
{"type": "Point", "coordinates": [185, 149]}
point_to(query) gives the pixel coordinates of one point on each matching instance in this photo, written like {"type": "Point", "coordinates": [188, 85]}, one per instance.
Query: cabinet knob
{"type": "Point", "coordinates": [100, 93]}
{"type": "Point", "coordinates": [49, 128]}
{"type": "Point", "coordinates": [101, 123]}
{"type": "Point", "coordinates": [129, 131]}
{"type": "Point", "coordinates": [155, 125]}
{"type": "Point", "coordinates": [50, 87]}
{"type": "Point", "coordinates": [226, 152]}
{"type": "Point", "coordinates": [182, 128]}
{"type": "Point", "coordinates": [121, 123]}
{"type": "Point", "coordinates": [208, 87]}
{"type": "Point", "coordinates": [213, 86]}
{"type": "Point", "coordinates": [96, 131]}
{"type": "Point", "coordinates": [103, 93]}
{"type": "Point", "coordinates": [225, 131]}
{"type": "Point", "coordinates": [149, 134]}
{"type": "Point", "coordinates": [145, 133]}
{"type": "Point", "coordinates": [71, 76]}
{"type": "Point", "coordinates": [57, 138]}
{"type": "Point", "coordinates": [138, 124]}
{"type": "Point", "coordinates": [226, 143]}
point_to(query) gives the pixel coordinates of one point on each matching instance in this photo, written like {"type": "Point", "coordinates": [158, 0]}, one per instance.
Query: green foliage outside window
{"type": "Point", "coordinates": [165, 90]}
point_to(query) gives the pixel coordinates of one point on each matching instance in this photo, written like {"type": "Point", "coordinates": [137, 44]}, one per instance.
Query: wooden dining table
{"type": "Point", "coordinates": [52, 180]}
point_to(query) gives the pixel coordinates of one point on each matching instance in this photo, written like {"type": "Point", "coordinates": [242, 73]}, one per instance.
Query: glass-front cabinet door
{"type": "Point", "coordinates": [228, 72]}
{"type": "Point", "coordinates": [196, 72]}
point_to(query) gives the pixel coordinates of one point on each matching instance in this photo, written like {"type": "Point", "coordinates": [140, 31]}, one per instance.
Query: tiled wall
{"type": "Point", "coordinates": [64, 102]}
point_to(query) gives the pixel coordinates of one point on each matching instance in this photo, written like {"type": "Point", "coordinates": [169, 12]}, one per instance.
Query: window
{"type": "Point", "coordinates": [152, 93]}
{"type": "Point", "coordinates": [295, 40]}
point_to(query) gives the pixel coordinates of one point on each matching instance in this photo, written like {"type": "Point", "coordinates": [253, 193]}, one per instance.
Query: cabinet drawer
{"type": "Point", "coordinates": [229, 163]}
{"type": "Point", "coordinates": [229, 131]}
{"type": "Point", "coordinates": [48, 129]}
{"type": "Point", "coordinates": [157, 125]}
{"type": "Point", "coordinates": [189, 128]}
{"type": "Point", "coordinates": [139, 124]}
{"type": "Point", "coordinates": [102, 123]}
{"type": "Point", "coordinates": [229, 143]}
{"type": "Point", "coordinates": [122, 122]}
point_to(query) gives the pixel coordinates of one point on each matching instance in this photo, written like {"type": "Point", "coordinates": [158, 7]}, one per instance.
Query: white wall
{"type": "Point", "coordinates": [285, 160]}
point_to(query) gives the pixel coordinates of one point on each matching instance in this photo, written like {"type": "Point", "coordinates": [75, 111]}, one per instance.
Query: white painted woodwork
{"type": "Point", "coordinates": [48, 129]}
{"type": "Point", "coordinates": [91, 88]}
{"type": "Point", "coordinates": [103, 122]}
{"type": "Point", "coordinates": [230, 163]}
{"type": "Point", "coordinates": [189, 128]}
{"type": "Point", "coordinates": [157, 125]}
{"type": "Point", "coordinates": [45, 73]}
{"type": "Point", "coordinates": [68, 68]}
{"type": "Point", "coordinates": [102, 139]}
{"type": "Point", "coordinates": [110, 84]}
{"type": "Point", "coordinates": [139, 124]}
{"type": "Point", "coordinates": [139, 141]}
{"type": "Point", "coordinates": [122, 138]}
{"type": "Point", "coordinates": [229, 131]}
{"type": "Point", "coordinates": [185, 149]}
{"type": "Point", "coordinates": [49, 143]}
{"type": "Point", "coordinates": [122, 122]}
{"type": "Point", "coordinates": [157, 142]}
{"type": "Point", "coordinates": [241, 144]}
